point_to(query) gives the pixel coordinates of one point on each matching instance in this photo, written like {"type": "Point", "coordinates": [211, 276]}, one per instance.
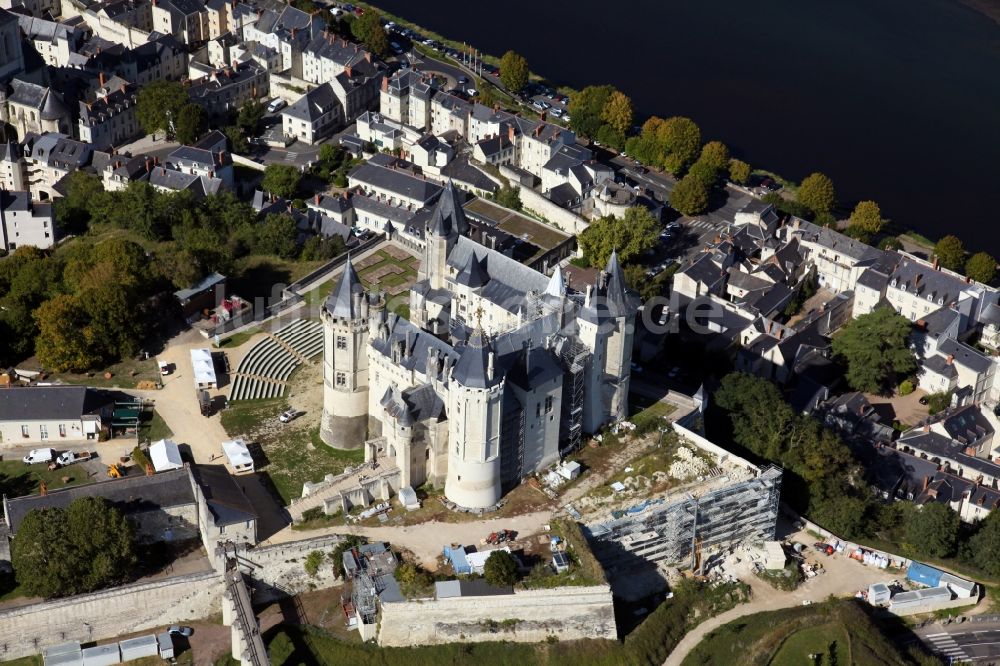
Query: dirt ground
{"type": "Point", "coordinates": [903, 408]}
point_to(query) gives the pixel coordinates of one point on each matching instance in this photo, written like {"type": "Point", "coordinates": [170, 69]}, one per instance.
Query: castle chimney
{"type": "Point", "coordinates": [489, 366]}
{"type": "Point", "coordinates": [385, 83]}
{"type": "Point", "coordinates": [100, 79]}
{"type": "Point", "coordinates": [510, 133]}
{"type": "Point", "coordinates": [950, 359]}
{"type": "Point", "coordinates": [586, 300]}
{"type": "Point", "coordinates": [317, 199]}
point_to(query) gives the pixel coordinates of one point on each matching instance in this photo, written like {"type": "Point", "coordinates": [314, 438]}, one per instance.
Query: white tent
{"type": "Point", "coordinates": [165, 455]}
{"type": "Point", "coordinates": [239, 455]}
{"type": "Point", "coordinates": [204, 368]}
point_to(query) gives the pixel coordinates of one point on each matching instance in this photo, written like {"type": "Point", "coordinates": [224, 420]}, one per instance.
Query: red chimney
{"type": "Point", "coordinates": [317, 199]}
{"type": "Point", "coordinates": [100, 79]}
{"type": "Point", "coordinates": [385, 83]}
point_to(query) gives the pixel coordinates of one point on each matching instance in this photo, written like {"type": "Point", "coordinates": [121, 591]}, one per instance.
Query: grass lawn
{"type": "Point", "coordinates": [238, 339]}
{"type": "Point", "coordinates": [829, 640]}
{"type": "Point", "coordinates": [124, 374]}
{"type": "Point", "coordinates": [18, 479]}
{"type": "Point", "coordinates": [154, 428]}
{"type": "Point", "coordinates": [293, 455]}
{"type": "Point", "coordinates": [34, 660]}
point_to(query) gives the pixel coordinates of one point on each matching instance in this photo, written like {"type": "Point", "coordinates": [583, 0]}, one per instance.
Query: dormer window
{"type": "Point", "coordinates": [930, 296]}
{"type": "Point", "coordinates": [894, 281]}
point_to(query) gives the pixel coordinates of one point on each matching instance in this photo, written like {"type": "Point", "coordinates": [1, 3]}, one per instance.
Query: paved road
{"type": "Point", "coordinates": [964, 642]}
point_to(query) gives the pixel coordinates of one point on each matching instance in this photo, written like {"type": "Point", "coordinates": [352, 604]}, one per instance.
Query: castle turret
{"type": "Point", "coordinates": [345, 318]}
{"type": "Point", "coordinates": [618, 357]}
{"type": "Point", "coordinates": [446, 224]}
{"type": "Point", "coordinates": [475, 397]}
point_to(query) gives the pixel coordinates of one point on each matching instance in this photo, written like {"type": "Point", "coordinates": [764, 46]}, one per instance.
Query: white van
{"type": "Point", "coordinates": [277, 104]}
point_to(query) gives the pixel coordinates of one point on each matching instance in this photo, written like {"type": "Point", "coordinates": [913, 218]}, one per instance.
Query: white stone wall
{"type": "Point", "coordinates": [109, 613]}
{"type": "Point", "coordinates": [567, 613]}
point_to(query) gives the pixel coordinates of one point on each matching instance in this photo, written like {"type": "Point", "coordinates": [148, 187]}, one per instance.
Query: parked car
{"type": "Point", "coordinates": [463, 79]}
{"type": "Point", "coordinates": [276, 104]}
{"type": "Point", "coordinates": [39, 456]}
{"type": "Point", "coordinates": [177, 630]}
{"type": "Point", "coordinates": [70, 457]}
{"type": "Point", "coordinates": [538, 104]}
{"type": "Point", "coordinates": [288, 415]}
{"type": "Point", "coordinates": [164, 368]}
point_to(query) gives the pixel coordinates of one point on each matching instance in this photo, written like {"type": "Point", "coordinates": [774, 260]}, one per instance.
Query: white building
{"type": "Point", "coordinates": [498, 370]}
{"type": "Point", "coordinates": [24, 223]}
{"type": "Point", "coordinates": [48, 414]}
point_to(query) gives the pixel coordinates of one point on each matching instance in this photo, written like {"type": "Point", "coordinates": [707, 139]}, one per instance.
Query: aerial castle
{"type": "Point", "coordinates": [499, 370]}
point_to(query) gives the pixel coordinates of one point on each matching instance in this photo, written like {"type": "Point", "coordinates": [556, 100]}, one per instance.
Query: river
{"type": "Point", "coordinates": [896, 101]}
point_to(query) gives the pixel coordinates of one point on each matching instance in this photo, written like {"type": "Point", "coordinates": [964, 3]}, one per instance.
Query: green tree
{"type": "Point", "coordinates": [73, 210]}
{"type": "Point", "coordinates": [282, 180]}
{"type": "Point", "coordinates": [981, 267]}
{"type": "Point", "coordinates": [509, 196]}
{"type": "Point", "coordinates": [950, 252]}
{"type": "Point", "coordinates": [817, 194]}
{"type": "Point", "coordinates": [413, 581]}
{"type": "Point", "coordinates": [87, 546]}
{"type": "Point", "coordinates": [739, 171]}
{"type": "Point", "coordinates": [617, 112]}
{"type": "Point", "coordinates": [932, 530]}
{"type": "Point", "coordinates": [689, 196]}
{"type": "Point", "coordinates": [514, 71]}
{"type": "Point", "coordinates": [760, 417]}
{"type": "Point", "coordinates": [157, 103]}
{"type": "Point", "coordinates": [868, 217]}
{"type": "Point", "coordinates": [876, 349]}
{"type": "Point", "coordinates": [66, 341]}
{"type": "Point", "coordinates": [984, 547]}
{"type": "Point", "coordinates": [369, 31]}
{"type": "Point", "coordinates": [313, 561]}
{"type": "Point", "coordinates": [250, 116]}
{"type": "Point", "coordinates": [716, 155]}
{"type": "Point", "coordinates": [681, 140]}
{"type": "Point", "coordinates": [632, 234]}
{"type": "Point", "coordinates": [586, 107]}
{"type": "Point", "coordinates": [500, 569]}
{"type": "Point", "coordinates": [237, 141]}
{"type": "Point", "coordinates": [191, 123]}
{"type": "Point", "coordinates": [277, 235]}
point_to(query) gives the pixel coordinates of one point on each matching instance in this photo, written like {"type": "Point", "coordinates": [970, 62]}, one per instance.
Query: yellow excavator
{"type": "Point", "coordinates": [114, 471]}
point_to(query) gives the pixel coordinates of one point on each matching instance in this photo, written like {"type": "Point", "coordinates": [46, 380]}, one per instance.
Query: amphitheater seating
{"type": "Point", "coordinates": [262, 373]}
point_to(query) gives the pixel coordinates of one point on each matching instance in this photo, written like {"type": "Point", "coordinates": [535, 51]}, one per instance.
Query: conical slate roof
{"type": "Point", "coordinates": [474, 274]}
{"type": "Point", "coordinates": [472, 368]}
{"type": "Point", "coordinates": [448, 216]}
{"type": "Point", "coordinates": [340, 303]}
{"type": "Point", "coordinates": [556, 286]}
{"type": "Point", "coordinates": [616, 295]}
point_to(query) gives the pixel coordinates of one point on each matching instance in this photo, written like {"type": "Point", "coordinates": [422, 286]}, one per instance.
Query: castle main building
{"type": "Point", "coordinates": [499, 370]}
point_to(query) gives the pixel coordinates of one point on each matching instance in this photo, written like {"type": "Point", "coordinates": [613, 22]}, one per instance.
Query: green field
{"type": "Point", "coordinates": [18, 479]}
{"type": "Point", "coordinates": [835, 632]}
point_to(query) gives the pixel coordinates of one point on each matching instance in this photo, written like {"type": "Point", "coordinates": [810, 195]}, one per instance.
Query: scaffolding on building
{"type": "Point", "coordinates": [672, 532]}
{"type": "Point", "coordinates": [363, 596]}
{"type": "Point", "coordinates": [574, 357]}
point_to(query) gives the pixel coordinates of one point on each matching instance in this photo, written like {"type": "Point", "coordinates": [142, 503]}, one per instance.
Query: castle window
{"type": "Point", "coordinates": [341, 379]}
{"type": "Point", "coordinates": [548, 404]}
{"type": "Point", "coordinates": [341, 342]}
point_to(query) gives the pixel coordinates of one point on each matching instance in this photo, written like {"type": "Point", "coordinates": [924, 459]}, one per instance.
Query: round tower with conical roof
{"type": "Point", "coordinates": [345, 317]}
{"type": "Point", "coordinates": [475, 398]}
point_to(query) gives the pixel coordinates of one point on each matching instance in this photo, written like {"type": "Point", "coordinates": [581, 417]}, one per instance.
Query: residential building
{"type": "Point", "coordinates": [229, 88]}
{"type": "Point", "coordinates": [286, 30]}
{"type": "Point", "coordinates": [328, 55]}
{"type": "Point", "coordinates": [48, 159]}
{"type": "Point", "coordinates": [208, 158]}
{"type": "Point", "coordinates": [12, 173]}
{"type": "Point", "coordinates": [395, 182]}
{"type": "Point", "coordinates": [406, 98]}
{"type": "Point", "coordinates": [186, 20]}
{"type": "Point", "coordinates": [110, 119]}
{"type": "Point", "coordinates": [314, 116]}
{"type": "Point", "coordinates": [24, 223]}
{"type": "Point", "coordinates": [49, 415]}
{"type": "Point", "coordinates": [11, 56]}
{"type": "Point", "coordinates": [839, 260]}
{"type": "Point", "coordinates": [54, 41]}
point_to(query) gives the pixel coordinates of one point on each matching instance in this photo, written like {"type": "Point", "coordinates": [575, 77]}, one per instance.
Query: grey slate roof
{"type": "Point", "coordinates": [134, 493]}
{"type": "Point", "coordinates": [967, 425]}
{"type": "Point", "coordinates": [341, 299]}
{"type": "Point", "coordinates": [226, 500]}
{"type": "Point", "coordinates": [510, 280]}
{"type": "Point", "coordinates": [965, 355]}
{"type": "Point", "coordinates": [836, 241]}
{"type": "Point", "coordinates": [314, 104]}
{"type": "Point", "coordinates": [394, 175]}
{"type": "Point", "coordinates": [472, 369]}
{"type": "Point", "coordinates": [615, 295]}
{"type": "Point", "coordinates": [474, 274]}
{"type": "Point", "coordinates": [448, 216]}
{"type": "Point", "coordinates": [916, 278]}
{"type": "Point", "coordinates": [395, 332]}
{"type": "Point", "coordinates": [38, 403]}
{"type": "Point", "coordinates": [991, 315]}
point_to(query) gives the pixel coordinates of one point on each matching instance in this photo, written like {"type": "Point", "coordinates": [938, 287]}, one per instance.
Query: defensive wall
{"type": "Point", "coordinates": [527, 616]}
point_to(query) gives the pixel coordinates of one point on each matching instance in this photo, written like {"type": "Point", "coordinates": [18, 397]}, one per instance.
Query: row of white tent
{"type": "Point", "coordinates": [165, 455]}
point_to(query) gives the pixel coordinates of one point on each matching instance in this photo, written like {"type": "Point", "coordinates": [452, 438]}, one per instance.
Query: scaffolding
{"type": "Point", "coordinates": [363, 595]}
{"type": "Point", "coordinates": [575, 357]}
{"type": "Point", "coordinates": [657, 531]}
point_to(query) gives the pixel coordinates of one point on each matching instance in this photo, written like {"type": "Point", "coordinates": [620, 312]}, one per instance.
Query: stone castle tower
{"type": "Point", "coordinates": [475, 399]}
{"type": "Point", "coordinates": [345, 317]}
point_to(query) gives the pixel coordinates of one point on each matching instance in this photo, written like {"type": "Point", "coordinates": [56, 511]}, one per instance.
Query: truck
{"type": "Point", "coordinates": [164, 368]}
{"type": "Point", "coordinates": [70, 457]}
{"type": "Point", "coordinates": [205, 402]}
{"type": "Point", "coordinates": [39, 456]}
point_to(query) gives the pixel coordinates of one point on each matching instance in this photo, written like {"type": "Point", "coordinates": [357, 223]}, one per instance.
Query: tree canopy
{"type": "Point", "coordinates": [681, 139]}
{"type": "Point", "coordinates": [509, 196]}
{"type": "Point", "coordinates": [876, 349]}
{"type": "Point", "coordinates": [617, 112]}
{"type": "Point", "coordinates": [867, 216]}
{"type": "Point", "coordinates": [85, 547]}
{"type": "Point", "coordinates": [932, 530]}
{"type": "Point", "coordinates": [983, 549]}
{"type": "Point", "coordinates": [500, 569]}
{"type": "Point", "coordinates": [816, 193]}
{"type": "Point", "coordinates": [368, 29]}
{"type": "Point", "coordinates": [950, 252]}
{"type": "Point", "coordinates": [689, 196]}
{"type": "Point", "coordinates": [514, 71]}
{"type": "Point", "coordinates": [632, 234]}
{"type": "Point", "coordinates": [586, 108]}
{"type": "Point", "coordinates": [981, 267]}
{"type": "Point", "coordinates": [739, 171]}
{"type": "Point", "coordinates": [158, 102]}
{"type": "Point", "coordinates": [281, 180]}
{"type": "Point", "coordinates": [191, 123]}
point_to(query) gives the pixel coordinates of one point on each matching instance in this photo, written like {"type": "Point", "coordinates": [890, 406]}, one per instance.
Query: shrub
{"type": "Point", "coordinates": [906, 387]}
{"type": "Point", "coordinates": [313, 560]}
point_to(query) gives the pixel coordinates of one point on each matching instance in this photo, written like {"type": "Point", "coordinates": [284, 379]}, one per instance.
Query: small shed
{"type": "Point", "coordinates": [569, 470]}
{"type": "Point", "coordinates": [919, 600]}
{"type": "Point", "coordinates": [102, 655]}
{"type": "Point", "coordinates": [165, 643]}
{"type": "Point", "coordinates": [239, 455]}
{"type": "Point", "coordinates": [136, 648]}
{"type": "Point", "coordinates": [560, 561]}
{"type": "Point", "coordinates": [64, 654]}
{"type": "Point", "coordinates": [477, 560]}
{"type": "Point", "coordinates": [962, 588]}
{"type": "Point", "coordinates": [165, 455]}
{"type": "Point", "coordinates": [878, 594]}
{"type": "Point", "coordinates": [204, 369]}
{"type": "Point", "coordinates": [408, 498]}
{"type": "Point", "coordinates": [924, 574]}
{"type": "Point", "coordinates": [774, 556]}
{"type": "Point", "coordinates": [457, 556]}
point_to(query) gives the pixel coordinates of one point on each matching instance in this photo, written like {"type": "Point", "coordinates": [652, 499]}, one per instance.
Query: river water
{"type": "Point", "coordinates": [896, 100]}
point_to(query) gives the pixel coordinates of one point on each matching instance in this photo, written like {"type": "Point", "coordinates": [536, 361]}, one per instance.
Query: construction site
{"type": "Point", "coordinates": [735, 503]}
